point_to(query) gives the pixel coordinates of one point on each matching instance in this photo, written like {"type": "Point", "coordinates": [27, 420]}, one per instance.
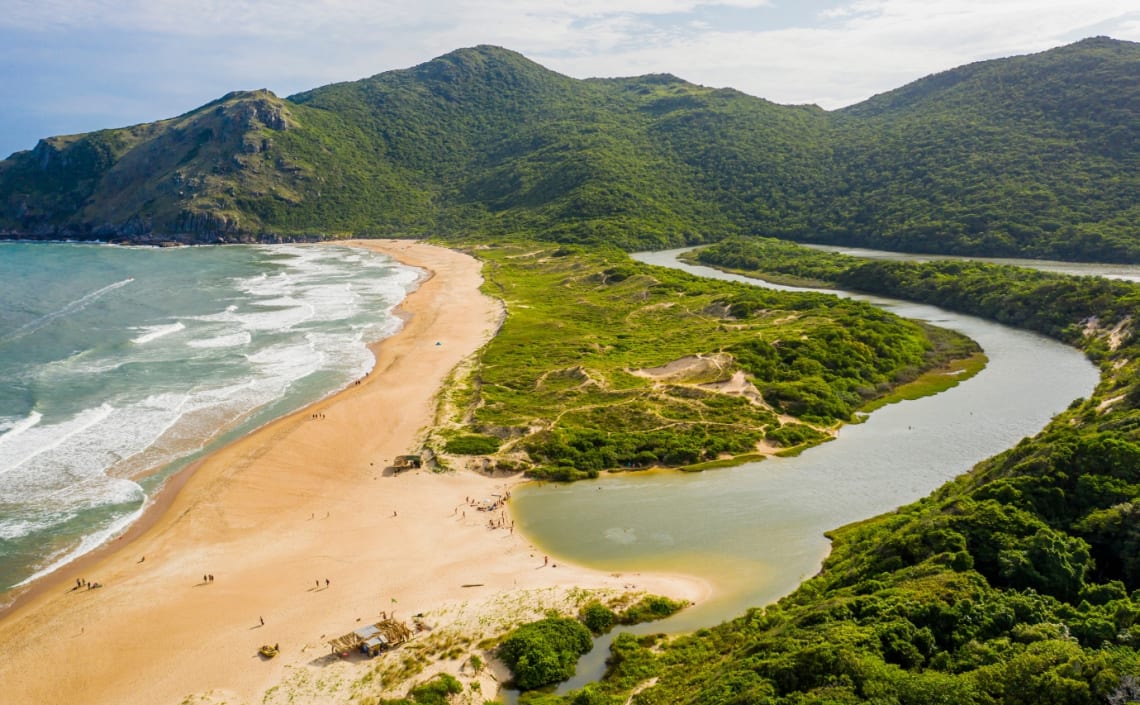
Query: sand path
{"type": "Point", "coordinates": [272, 517]}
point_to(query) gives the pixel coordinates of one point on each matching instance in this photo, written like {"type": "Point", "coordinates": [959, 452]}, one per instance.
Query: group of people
{"type": "Point", "coordinates": [208, 578]}
{"type": "Point", "coordinates": [83, 582]}
{"type": "Point", "coordinates": [496, 505]}
{"type": "Point", "coordinates": [499, 502]}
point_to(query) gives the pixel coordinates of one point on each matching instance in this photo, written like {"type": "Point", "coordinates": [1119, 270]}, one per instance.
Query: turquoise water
{"type": "Point", "coordinates": [120, 365]}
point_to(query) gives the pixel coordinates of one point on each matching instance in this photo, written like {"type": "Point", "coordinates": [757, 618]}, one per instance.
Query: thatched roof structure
{"type": "Point", "coordinates": [385, 634]}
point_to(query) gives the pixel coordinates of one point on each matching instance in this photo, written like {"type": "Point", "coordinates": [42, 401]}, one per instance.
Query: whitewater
{"type": "Point", "coordinates": [119, 366]}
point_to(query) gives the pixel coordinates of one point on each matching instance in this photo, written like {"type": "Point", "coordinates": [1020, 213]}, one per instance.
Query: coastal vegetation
{"type": "Point", "coordinates": [1063, 307]}
{"type": "Point", "coordinates": [546, 651]}
{"type": "Point", "coordinates": [604, 363]}
{"type": "Point", "coordinates": [1016, 583]}
{"type": "Point", "coordinates": [1034, 155]}
{"type": "Point", "coordinates": [600, 618]}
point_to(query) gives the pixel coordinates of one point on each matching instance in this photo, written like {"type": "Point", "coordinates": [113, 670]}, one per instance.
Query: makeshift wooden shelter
{"type": "Point", "coordinates": [373, 639]}
{"type": "Point", "coordinates": [404, 462]}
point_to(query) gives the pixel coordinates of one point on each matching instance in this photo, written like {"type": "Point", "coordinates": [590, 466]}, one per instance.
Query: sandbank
{"type": "Point", "coordinates": [307, 535]}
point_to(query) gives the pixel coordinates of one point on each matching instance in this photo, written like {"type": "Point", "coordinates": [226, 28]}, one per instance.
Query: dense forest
{"type": "Point", "coordinates": [1034, 155]}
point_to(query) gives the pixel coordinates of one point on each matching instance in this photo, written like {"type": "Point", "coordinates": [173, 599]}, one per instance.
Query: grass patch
{"type": "Point", "coordinates": [472, 444]}
{"type": "Point", "coordinates": [932, 382]}
{"type": "Point", "coordinates": [724, 462]}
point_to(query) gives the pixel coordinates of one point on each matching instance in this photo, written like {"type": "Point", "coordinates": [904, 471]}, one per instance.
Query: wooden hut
{"type": "Point", "coordinates": [373, 639]}
{"type": "Point", "coordinates": [405, 462]}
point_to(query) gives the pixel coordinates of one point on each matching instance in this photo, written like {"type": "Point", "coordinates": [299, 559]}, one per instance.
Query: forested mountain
{"type": "Point", "coordinates": [1033, 155]}
{"type": "Point", "coordinates": [1036, 155]}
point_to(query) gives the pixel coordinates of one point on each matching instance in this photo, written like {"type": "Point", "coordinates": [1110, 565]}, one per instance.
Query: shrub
{"type": "Point", "coordinates": [472, 445]}
{"type": "Point", "coordinates": [433, 692]}
{"type": "Point", "coordinates": [545, 652]}
{"type": "Point", "coordinates": [793, 434]}
{"type": "Point", "coordinates": [598, 618]}
{"type": "Point", "coordinates": [650, 608]}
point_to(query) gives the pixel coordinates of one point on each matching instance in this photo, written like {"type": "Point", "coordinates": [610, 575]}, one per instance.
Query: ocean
{"type": "Point", "coordinates": [119, 366]}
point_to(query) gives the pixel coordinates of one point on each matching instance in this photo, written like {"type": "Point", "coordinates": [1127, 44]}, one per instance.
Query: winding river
{"type": "Point", "coordinates": [756, 531]}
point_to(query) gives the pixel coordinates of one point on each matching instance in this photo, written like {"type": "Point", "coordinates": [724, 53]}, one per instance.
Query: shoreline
{"type": "Point", "coordinates": [159, 502]}
{"type": "Point", "coordinates": [250, 514]}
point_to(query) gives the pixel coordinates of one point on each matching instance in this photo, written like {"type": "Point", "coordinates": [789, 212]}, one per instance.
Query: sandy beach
{"type": "Point", "coordinates": [307, 536]}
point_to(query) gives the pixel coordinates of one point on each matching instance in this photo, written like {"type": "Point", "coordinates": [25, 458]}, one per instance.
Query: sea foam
{"type": "Point", "coordinates": [156, 332]}
{"type": "Point", "coordinates": [216, 357]}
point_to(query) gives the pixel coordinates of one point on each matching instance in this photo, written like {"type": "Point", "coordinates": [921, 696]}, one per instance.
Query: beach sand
{"type": "Point", "coordinates": [307, 537]}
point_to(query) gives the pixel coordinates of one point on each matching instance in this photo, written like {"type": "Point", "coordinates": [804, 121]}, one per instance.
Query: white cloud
{"type": "Point", "coordinates": [868, 47]}
{"type": "Point", "coordinates": [256, 18]}
{"type": "Point", "coordinates": [185, 52]}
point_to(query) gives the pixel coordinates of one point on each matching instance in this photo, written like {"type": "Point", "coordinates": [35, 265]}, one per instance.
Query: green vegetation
{"type": "Point", "coordinates": [472, 444]}
{"type": "Point", "coordinates": [604, 363]}
{"type": "Point", "coordinates": [1033, 155]}
{"type": "Point", "coordinates": [436, 691]}
{"type": "Point", "coordinates": [544, 652]}
{"type": "Point", "coordinates": [997, 158]}
{"type": "Point", "coordinates": [1017, 583]}
{"type": "Point", "coordinates": [600, 618]}
{"type": "Point", "coordinates": [650, 609]}
{"type": "Point", "coordinates": [932, 382]}
{"type": "Point", "coordinates": [1055, 305]}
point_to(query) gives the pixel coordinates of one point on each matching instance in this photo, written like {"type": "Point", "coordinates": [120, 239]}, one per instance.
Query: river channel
{"type": "Point", "coordinates": [756, 531]}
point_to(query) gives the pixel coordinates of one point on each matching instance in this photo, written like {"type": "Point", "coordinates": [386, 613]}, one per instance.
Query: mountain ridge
{"type": "Point", "coordinates": [1033, 155]}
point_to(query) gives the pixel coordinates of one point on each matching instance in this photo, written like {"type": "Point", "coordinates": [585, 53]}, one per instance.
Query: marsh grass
{"type": "Point", "coordinates": [932, 382]}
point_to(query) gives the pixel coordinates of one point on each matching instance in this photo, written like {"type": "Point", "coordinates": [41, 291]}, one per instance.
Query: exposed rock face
{"type": "Point", "coordinates": [177, 178]}
{"type": "Point", "coordinates": [247, 111]}
{"type": "Point", "coordinates": [200, 223]}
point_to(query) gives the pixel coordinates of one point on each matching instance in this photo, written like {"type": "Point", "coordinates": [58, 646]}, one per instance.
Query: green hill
{"type": "Point", "coordinates": [1033, 155]}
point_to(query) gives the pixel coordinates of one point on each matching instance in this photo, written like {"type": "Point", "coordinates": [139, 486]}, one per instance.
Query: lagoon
{"type": "Point", "coordinates": [756, 531]}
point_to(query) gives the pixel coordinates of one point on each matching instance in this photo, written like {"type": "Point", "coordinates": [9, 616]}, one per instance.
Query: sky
{"type": "Point", "coordinates": [69, 66]}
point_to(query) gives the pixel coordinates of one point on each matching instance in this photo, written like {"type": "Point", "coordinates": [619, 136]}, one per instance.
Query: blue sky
{"type": "Point", "coordinates": [71, 66]}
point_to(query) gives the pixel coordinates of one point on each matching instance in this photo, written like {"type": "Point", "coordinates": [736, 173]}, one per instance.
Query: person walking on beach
{"type": "Point", "coordinates": [262, 620]}
{"type": "Point", "coordinates": [326, 582]}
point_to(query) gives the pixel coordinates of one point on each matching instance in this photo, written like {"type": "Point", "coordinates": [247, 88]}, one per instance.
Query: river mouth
{"type": "Point", "coordinates": [756, 531]}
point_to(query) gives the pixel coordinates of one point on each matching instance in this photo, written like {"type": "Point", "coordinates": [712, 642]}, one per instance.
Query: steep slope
{"type": "Point", "coordinates": [1034, 155]}
{"type": "Point", "coordinates": [228, 169]}
{"type": "Point", "coordinates": [508, 145]}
